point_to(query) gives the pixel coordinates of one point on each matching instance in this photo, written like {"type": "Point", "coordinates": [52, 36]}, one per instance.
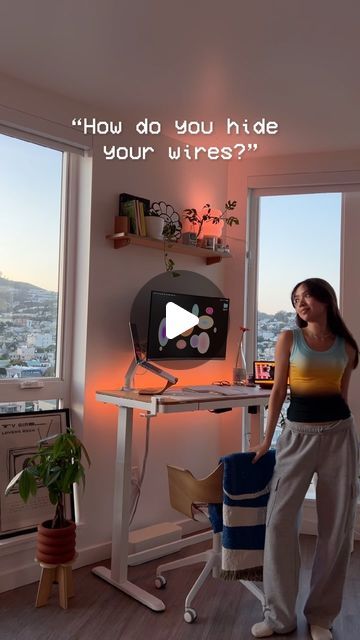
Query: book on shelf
{"type": "Point", "coordinates": [134, 210]}
{"type": "Point", "coordinates": [124, 197]}
{"type": "Point", "coordinates": [140, 218]}
{"type": "Point", "coordinates": [128, 209]}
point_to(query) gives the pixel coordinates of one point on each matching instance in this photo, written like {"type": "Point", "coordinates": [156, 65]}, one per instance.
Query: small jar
{"type": "Point", "coordinates": [219, 245]}
{"type": "Point", "coordinates": [209, 242]}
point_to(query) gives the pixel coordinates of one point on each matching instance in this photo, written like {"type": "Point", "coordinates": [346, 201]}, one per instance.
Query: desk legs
{"type": "Point", "coordinates": [256, 427]}
{"type": "Point", "coordinates": [120, 533]}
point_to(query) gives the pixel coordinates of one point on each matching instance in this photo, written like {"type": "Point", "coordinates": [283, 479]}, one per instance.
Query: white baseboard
{"type": "Point", "coordinates": [29, 571]}
{"type": "Point", "coordinates": [168, 548]}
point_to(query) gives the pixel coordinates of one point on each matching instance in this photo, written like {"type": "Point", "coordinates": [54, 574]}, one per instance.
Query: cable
{"type": "Point", "coordinates": [138, 485]}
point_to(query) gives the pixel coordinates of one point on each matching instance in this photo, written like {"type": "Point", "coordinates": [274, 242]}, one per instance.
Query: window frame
{"type": "Point", "coordinates": [58, 386]}
{"type": "Point", "coordinates": [252, 240]}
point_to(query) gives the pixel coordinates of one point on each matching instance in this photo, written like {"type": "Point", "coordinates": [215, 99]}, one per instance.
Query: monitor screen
{"type": "Point", "coordinates": [264, 372]}
{"type": "Point", "coordinates": [205, 341]}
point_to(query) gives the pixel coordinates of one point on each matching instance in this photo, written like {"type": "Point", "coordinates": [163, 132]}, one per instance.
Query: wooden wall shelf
{"type": "Point", "coordinates": [123, 239]}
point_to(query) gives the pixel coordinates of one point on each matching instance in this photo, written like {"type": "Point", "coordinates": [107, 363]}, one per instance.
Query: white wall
{"type": "Point", "coordinates": [107, 281]}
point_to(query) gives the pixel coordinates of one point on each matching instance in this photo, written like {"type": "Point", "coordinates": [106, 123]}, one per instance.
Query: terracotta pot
{"type": "Point", "coordinates": [55, 546]}
{"type": "Point", "coordinates": [121, 224]}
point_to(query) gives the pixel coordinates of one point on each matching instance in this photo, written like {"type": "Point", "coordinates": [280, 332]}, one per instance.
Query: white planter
{"type": "Point", "coordinates": [154, 227]}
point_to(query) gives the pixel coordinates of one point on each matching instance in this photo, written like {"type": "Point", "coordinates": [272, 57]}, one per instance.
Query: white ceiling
{"type": "Point", "coordinates": [292, 61]}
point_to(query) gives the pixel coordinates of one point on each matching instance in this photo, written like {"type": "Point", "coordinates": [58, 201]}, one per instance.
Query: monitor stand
{"type": "Point", "coordinates": [130, 374]}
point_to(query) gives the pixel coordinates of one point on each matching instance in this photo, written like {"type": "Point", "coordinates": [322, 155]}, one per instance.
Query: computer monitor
{"type": "Point", "coordinates": [205, 341]}
{"type": "Point", "coordinates": [264, 372]}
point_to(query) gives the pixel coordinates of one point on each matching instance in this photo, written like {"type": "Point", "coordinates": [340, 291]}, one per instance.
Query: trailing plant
{"type": "Point", "coordinates": [171, 231]}
{"type": "Point", "coordinates": [57, 467]}
{"type": "Point", "coordinates": [168, 241]}
{"type": "Point", "coordinates": [198, 218]}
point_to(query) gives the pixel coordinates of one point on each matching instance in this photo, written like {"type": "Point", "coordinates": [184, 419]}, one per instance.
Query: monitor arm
{"type": "Point", "coordinates": [130, 374]}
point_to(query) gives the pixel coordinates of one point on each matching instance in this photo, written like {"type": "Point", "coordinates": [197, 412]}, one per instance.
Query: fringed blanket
{"type": "Point", "coordinates": [246, 492]}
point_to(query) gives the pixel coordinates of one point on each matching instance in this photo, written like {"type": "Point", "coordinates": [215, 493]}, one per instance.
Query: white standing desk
{"type": "Point", "coordinates": [175, 401]}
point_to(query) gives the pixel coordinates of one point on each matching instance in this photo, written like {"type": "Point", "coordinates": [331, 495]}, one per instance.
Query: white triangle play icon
{"type": "Point", "coordinates": [178, 320]}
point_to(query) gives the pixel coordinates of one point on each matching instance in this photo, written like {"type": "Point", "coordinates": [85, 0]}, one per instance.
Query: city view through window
{"type": "Point", "coordinates": [30, 210]}
{"type": "Point", "coordinates": [299, 237]}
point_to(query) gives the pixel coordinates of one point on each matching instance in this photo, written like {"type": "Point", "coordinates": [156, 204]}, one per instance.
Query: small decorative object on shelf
{"type": "Point", "coordinates": [121, 225]}
{"type": "Point", "coordinates": [209, 242]}
{"type": "Point", "coordinates": [219, 245]}
{"type": "Point", "coordinates": [239, 372]}
{"type": "Point", "coordinates": [189, 237]}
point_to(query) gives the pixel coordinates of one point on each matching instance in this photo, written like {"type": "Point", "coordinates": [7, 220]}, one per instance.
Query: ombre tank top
{"type": "Point", "coordinates": [315, 381]}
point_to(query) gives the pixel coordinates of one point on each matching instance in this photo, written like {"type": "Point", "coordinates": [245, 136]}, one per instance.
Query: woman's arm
{"type": "Point", "coordinates": [345, 380]}
{"type": "Point", "coordinates": [278, 393]}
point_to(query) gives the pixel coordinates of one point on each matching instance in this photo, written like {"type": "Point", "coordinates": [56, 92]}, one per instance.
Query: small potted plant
{"type": "Point", "coordinates": [57, 466]}
{"type": "Point", "coordinates": [154, 225]}
{"type": "Point", "coordinates": [198, 219]}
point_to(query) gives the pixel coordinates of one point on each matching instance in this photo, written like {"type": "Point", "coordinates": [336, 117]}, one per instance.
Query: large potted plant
{"type": "Point", "coordinates": [57, 466]}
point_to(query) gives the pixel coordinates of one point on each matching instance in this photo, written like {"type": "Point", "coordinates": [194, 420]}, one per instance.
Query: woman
{"type": "Point", "coordinates": [319, 437]}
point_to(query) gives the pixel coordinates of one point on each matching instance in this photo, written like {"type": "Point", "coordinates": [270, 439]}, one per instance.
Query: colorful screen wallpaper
{"type": "Point", "coordinates": [205, 341]}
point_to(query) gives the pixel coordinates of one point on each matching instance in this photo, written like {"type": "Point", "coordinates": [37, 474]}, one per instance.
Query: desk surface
{"type": "Point", "coordinates": [180, 395]}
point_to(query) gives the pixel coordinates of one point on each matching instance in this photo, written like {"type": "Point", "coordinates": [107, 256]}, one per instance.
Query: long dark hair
{"type": "Point", "coordinates": [323, 292]}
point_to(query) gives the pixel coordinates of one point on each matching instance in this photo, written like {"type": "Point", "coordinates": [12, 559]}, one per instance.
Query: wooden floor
{"type": "Point", "coordinates": [226, 610]}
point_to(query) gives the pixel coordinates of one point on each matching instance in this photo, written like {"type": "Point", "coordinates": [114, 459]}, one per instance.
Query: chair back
{"type": "Point", "coordinates": [185, 490]}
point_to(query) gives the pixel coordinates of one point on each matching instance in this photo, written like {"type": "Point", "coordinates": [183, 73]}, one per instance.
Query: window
{"type": "Point", "coordinates": [299, 237]}
{"type": "Point", "coordinates": [292, 234]}
{"type": "Point", "coordinates": [33, 274]}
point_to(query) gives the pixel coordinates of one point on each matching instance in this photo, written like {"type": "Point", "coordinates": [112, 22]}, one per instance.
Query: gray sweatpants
{"type": "Point", "coordinates": [330, 450]}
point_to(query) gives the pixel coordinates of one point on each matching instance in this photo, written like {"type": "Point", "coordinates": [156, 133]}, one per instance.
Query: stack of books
{"type": "Point", "coordinates": [135, 209]}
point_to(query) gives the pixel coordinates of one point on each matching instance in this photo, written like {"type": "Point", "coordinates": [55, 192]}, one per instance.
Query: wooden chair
{"type": "Point", "coordinates": [191, 497]}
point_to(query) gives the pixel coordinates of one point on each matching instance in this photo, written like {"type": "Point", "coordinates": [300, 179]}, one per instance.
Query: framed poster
{"type": "Point", "coordinates": [19, 437]}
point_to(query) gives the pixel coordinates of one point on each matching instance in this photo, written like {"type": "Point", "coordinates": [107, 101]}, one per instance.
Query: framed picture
{"type": "Point", "coordinates": [19, 437]}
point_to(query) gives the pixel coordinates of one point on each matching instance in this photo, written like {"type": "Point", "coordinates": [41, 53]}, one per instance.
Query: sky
{"type": "Point", "coordinates": [30, 197]}
{"type": "Point", "coordinates": [299, 238]}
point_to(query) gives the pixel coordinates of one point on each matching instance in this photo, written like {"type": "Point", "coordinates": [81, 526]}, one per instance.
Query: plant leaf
{"type": "Point", "coordinates": [13, 481]}
{"type": "Point", "coordinates": [25, 485]}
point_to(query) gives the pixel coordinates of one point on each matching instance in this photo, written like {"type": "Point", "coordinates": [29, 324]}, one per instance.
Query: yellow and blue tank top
{"type": "Point", "coordinates": [315, 381]}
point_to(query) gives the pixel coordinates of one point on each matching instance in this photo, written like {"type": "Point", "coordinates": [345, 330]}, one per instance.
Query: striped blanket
{"type": "Point", "coordinates": [242, 517]}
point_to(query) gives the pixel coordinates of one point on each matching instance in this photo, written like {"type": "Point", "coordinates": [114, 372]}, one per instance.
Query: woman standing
{"type": "Point", "coordinates": [319, 437]}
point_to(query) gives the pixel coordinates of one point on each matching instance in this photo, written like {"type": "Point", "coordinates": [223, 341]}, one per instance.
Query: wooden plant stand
{"type": "Point", "coordinates": [60, 573]}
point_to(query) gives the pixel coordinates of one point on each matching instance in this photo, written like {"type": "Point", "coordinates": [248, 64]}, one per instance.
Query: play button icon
{"type": "Point", "coordinates": [178, 320]}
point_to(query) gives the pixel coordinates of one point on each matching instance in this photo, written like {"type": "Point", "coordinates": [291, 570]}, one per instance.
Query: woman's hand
{"type": "Point", "coordinates": [260, 450]}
